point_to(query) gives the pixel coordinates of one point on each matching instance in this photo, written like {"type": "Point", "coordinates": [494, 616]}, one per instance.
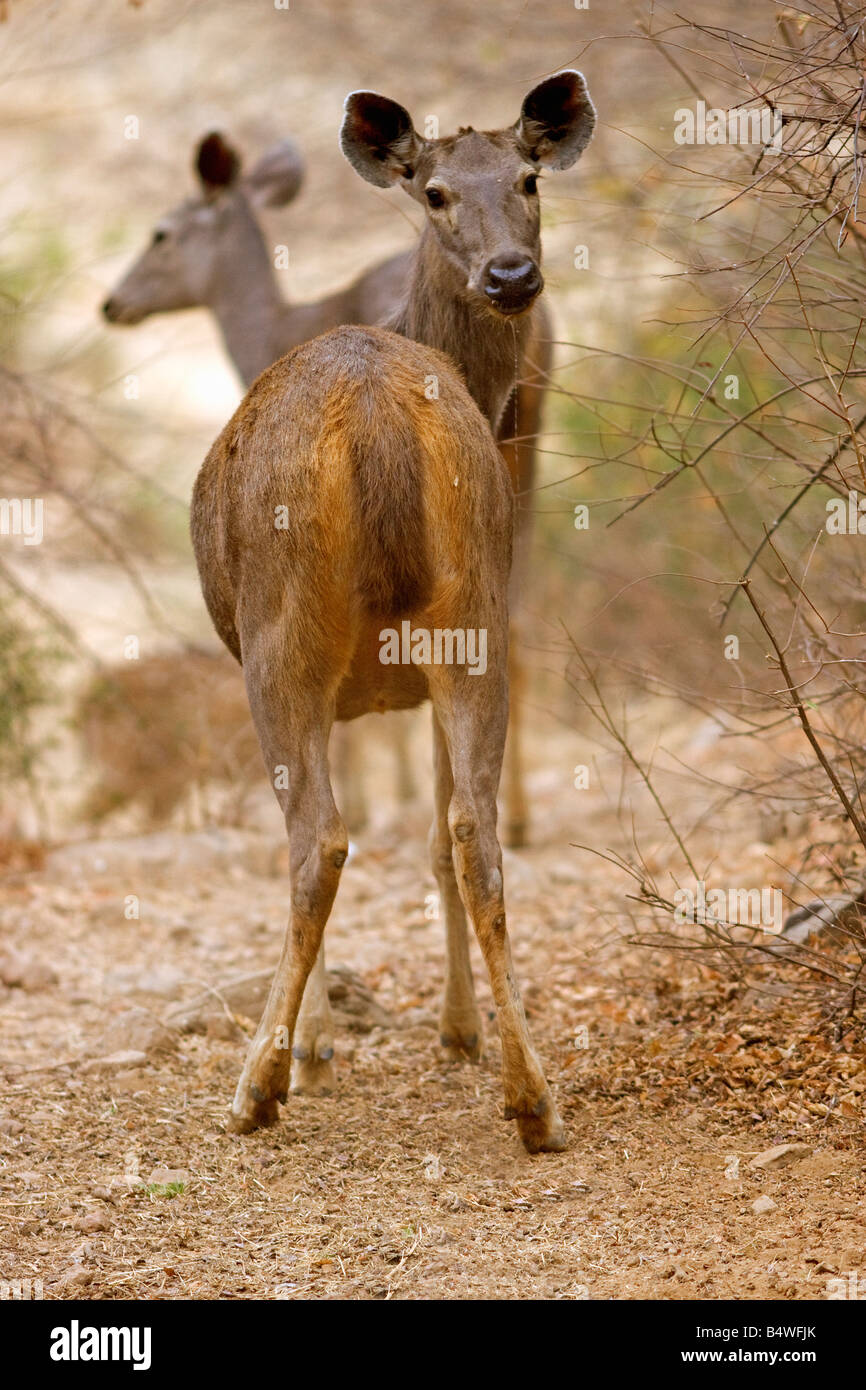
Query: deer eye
{"type": "Point", "coordinates": [435, 197]}
{"type": "Point", "coordinates": [530, 184]}
{"type": "Point", "coordinates": [158, 236]}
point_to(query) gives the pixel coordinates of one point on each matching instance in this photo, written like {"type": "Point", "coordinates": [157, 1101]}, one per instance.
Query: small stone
{"type": "Point", "coordinates": [20, 971]}
{"type": "Point", "coordinates": [10, 1127]}
{"type": "Point", "coordinates": [781, 1156]}
{"type": "Point", "coordinates": [762, 1205]}
{"type": "Point", "coordinates": [75, 1276]}
{"type": "Point", "coordinates": [124, 1182]}
{"type": "Point", "coordinates": [165, 1177]}
{"type": "Point", "coordinates": [90, 1221]}
{"type": "Point", "coordinates": [103, 1193]}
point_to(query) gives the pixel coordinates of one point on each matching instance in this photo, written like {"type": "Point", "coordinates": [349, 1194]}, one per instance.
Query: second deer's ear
{"type": "Point", "coordinates": [216, 163]}
{"type": "Point", "coordinates": [556, 121]}
{"type": "Point", "coordinates": [378, 139]}
{"type": "Point", "coordinates": [276, 178]}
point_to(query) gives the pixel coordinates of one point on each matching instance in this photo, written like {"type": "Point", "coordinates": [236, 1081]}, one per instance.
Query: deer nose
{"type": "Point", "coordinates": [109, 310]}
{"type": "Point", "coordinates": [512, 282]}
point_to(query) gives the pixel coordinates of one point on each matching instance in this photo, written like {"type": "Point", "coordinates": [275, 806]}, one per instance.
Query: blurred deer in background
{"type": "Point", "coordinates": [474, 282]}
{"type": "Point", "coordinates": [210, 252]}
{"type": "Point", "coordinates": [400, 510]}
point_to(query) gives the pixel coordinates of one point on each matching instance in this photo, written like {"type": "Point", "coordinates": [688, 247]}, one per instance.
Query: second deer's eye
{"type": "Point", "coordinates": [530, 184]}
{"type": "Point", "coordinates": [435, 197]}
{"type": "Point", "coordinates": [159, 236]}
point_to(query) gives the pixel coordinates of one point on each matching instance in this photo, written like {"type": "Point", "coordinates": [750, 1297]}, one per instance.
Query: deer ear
{"type": "Point", "coordinates": [216, 163]}
{"type": "Point", "coordinates": [378, 139]}
{"type": "Point", "coordinates": [277, 177]}
{"type": "Point", "coordinates": [556, 121]}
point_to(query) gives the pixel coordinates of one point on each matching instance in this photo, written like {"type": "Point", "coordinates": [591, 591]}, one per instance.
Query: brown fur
{"type": "Point", "coordinates": [341, 433]}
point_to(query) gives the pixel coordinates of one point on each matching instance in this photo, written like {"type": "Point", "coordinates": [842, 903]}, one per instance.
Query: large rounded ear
{"type": "Point", "coordinates": [216, 163]}
{"type": "Point", "coordinates": [277, 177]}
{"type": "Point", "coordinates": [556, 121]}
{"type": "Point", "coordinates": [378, 139]}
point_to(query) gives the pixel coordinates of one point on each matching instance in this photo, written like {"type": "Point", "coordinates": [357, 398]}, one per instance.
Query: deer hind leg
{"type": "Point", "coordinates": [475, 732]}
{"type": "Point", "coordinates": [516, 808]}
{"type": "Point", "coordinates": [407, 789]}
{"type": "Point", "coordinates": [460, 1021]}
{"type": "Point", "coordinates": [318, 846]}
{"type": "Point", "coordinates": [348, 775]}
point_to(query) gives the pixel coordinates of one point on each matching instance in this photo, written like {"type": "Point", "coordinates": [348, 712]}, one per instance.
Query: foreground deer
{"type": "Point", "coordinates": [475, 280]}
{"type": "Point", "coordinates": [394, 508]}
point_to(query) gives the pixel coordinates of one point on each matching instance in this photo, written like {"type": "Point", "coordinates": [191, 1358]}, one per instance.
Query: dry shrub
{"type": "Point", "coordinates": [159, 729]}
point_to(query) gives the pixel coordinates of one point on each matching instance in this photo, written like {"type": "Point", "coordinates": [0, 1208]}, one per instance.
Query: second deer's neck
{"type": "Point", "coordinates": [488, 350]}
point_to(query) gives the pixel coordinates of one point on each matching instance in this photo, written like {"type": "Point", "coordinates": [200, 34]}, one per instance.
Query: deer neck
{"type": "Point", "coordinates": [246, 299]}
{"type": "Point", "coordinates": [488, 350]}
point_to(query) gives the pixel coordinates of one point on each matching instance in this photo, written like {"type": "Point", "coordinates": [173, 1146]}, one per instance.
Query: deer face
{"type": "Point", "coordinates": [197, 242]}
{"type": "Point", "coordinates": [479, 190]}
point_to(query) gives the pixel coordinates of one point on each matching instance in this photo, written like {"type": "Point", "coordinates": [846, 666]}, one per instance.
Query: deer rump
{"type": "Point", "coordinates": [357, 485]}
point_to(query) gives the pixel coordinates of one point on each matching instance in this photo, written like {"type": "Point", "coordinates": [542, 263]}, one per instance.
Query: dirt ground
{"type": "Point", "coordinates": [118, 1178]}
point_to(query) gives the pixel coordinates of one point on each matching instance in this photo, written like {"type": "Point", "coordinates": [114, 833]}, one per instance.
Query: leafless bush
{"type": "Point", "coordinates": [753, 422]}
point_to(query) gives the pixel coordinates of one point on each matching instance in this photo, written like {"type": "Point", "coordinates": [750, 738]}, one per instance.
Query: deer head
{"type": "Point", "coordinates": [204, 239]}
{"type": "Point", "coordinates": [479, 189]}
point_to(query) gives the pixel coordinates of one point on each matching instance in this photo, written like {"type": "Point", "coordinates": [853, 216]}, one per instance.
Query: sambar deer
{"type": "Point", "coordinates": [475, 282]}
{"type": "Point", "coordinates": [358, 488]}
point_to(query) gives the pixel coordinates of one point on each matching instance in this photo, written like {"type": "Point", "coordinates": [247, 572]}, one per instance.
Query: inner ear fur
{"type": "Point", "coordinates": [378, 138]}
{"type": "Point", "coordinates": [556, 121]}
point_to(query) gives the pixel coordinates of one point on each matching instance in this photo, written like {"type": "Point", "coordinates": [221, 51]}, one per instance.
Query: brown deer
{"type": "Point", "coordinates": [475, 280]}
{"type": "Point", "coordinates": [384, 524]}
{"type": "Point", "coordinates": [358, 488]}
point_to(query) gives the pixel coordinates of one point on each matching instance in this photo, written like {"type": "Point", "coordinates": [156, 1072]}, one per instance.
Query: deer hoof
{"type": "Point", "coordinates": [313, 1070]}
{"type": "Point", "coordinates": [462, 1045]}
{"type": "Point", "coordinates": [539, 1126]}
{"type": "Point", "coordinates": [255, 1114]}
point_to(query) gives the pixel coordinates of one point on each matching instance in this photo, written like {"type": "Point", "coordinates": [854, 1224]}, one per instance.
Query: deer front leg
{"type": "Point", "coordinates": [518, 440]}
{"type": "Point", "coordinates": [460, 1029]}
{"type": "Point", "coordinates": [313, 1070]}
